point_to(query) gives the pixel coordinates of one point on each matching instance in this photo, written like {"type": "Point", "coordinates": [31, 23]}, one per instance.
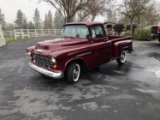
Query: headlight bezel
{"type": "Point", "coordinates": [53, 60]}
{"type": "Point", "coordinates": [28, 52]}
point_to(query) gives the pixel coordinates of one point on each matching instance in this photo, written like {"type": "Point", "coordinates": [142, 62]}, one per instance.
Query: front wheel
{"type": "Point", "coordinates": [73, 72]}
{"type": "Point", "coordinates": [123, 56]}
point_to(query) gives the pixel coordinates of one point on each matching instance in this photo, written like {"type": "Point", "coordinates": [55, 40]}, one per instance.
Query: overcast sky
{"type": "Point", "coordinates": [10, 8]}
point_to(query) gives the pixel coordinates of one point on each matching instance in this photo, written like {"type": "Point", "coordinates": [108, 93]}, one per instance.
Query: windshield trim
{"type": "Point", "coordinates": [75, 25]}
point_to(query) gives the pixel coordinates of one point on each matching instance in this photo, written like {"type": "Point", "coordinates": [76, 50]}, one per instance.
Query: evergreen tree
{"type": "Point", "coordinates": [58, 20]}
{"type": "Point", "coordinates": [31, 25]}
{"type": "Point", "coordinates": [21, 20]}
{"type": "Point", "coordinates": [50, 20]}
{"type": "Point", "coordinates": [2, 20]}
{"type": "Point", "coordinates": [46, 22]}
{"type": "Point", "coordinates": [37, 19]}
{"type": "Point", "coordinates": [25, 23]}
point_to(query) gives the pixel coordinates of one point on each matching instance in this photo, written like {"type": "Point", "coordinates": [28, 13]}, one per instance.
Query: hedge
{"type": "Point", "coordinates": [140, 34]}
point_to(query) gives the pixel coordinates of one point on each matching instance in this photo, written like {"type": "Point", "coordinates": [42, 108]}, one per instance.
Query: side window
{"type": "Point", "coordinates": [97, 31]}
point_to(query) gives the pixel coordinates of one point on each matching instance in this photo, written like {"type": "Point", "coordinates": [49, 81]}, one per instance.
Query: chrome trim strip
{"type": "Point", "coordinates": [84, 54]}
{"type": "Point", "coordinates": [46, 72]}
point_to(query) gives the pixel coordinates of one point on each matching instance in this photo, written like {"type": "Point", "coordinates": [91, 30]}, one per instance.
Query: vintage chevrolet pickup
{"type": "Point", "coordinates": [81, 43]}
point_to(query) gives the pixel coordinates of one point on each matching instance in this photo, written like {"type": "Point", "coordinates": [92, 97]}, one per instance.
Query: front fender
{"type": "Point", "coordinates": [78, 59]}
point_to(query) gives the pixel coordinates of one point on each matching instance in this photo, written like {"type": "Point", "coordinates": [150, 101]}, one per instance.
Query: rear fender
{"type": "Point", "coordinates": [122, 45]}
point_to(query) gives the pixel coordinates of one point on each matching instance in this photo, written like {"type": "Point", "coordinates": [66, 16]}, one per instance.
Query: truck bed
{"type": "Point", "coordinates": [119, 43]}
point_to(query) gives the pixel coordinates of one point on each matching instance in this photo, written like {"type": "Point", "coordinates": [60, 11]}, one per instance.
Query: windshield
{"type": "Point", "coordinates": [78, 31]}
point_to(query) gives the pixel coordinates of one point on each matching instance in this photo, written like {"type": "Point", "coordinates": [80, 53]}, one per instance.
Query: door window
{"type": "Point", "coordinates": [97, 32]}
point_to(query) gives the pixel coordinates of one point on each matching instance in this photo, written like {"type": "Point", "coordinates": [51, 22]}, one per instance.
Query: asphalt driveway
{"type": "Point", "coordinates": [111, 92]}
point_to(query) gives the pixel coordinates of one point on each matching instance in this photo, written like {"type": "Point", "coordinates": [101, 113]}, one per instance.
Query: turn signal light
{"type": "Point", "coordinates": [30, 58]}
{"type": "Point", "coordinates": [54, 66]}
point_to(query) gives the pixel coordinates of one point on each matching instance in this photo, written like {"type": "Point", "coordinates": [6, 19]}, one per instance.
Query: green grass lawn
{"type": "Point", "coordinates": [10, 40]}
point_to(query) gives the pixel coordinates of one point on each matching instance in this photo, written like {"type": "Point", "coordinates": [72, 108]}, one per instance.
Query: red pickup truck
{"type": "Point", "coordinates": [81, 43]}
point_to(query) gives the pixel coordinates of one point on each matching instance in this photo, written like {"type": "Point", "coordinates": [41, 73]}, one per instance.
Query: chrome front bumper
{"type": "Point", "coordinates": [46, 72]}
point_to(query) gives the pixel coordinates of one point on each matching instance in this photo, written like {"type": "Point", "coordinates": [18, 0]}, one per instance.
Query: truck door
{"type": "Point", "coordinates": [100, 45]}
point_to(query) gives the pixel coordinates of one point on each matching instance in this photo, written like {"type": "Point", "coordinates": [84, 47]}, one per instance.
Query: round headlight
{"type": "Point", "coordinates": [28, 53]}
{"type": "Point", "coordinates": [53, 60]}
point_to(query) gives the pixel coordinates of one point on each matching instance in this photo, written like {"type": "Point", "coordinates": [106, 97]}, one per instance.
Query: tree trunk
{"type": "Point", "coordinates": [68, 19]}
{"type": "Point", "coordinates": [131, 26]}
{"type": "Point", "coordinates": [93, 17]}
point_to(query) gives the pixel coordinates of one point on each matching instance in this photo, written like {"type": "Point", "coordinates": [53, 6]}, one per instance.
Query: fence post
{"type": "Point", "coordinates": [49, 32]}
{"type": "Point", "coordinates": [55, 32]}
{"type": "Point", "coordinates": [28, 33]}
{"type": "Point", "coordinates": [35, 33]}
{"type": "Point", "coordinates": [11, 34]}
{"type": "Point", "coordinates": [15, 36]}
{"type": "Point", "coordinates": [22, 33]}
{"type": "Point", "coordinates": [42, 32]}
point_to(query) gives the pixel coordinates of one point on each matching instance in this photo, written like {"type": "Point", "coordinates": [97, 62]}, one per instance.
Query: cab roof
{"type": "Point", "coordinates": [84, 23]}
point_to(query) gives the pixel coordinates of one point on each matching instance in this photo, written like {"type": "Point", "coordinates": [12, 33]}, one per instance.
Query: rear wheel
{"type": "Point", "coordinates": [73, 72]}
{"type": "Point", "coordinates": [123, 56]}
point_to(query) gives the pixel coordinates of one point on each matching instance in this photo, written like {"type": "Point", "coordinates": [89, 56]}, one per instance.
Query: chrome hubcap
{"type": "Point", "coordinates": [76, 72]}
{"type": "Point", "coordinates": [123, 56]}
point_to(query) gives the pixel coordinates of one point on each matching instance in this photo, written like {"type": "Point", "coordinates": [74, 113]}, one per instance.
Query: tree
{"type": "Point", "coordinates": [133, 9]}
{"type": "Point", "coordinates": [151, 15]}
{"type": "Point", "coordinates": [68, 8]}
{"type": "Point", "coordinates": [118, 28]}
{"type": "Point", "coordinates": [142, 15]}
{"type": "Point", "coordinates": [98, 7]}
{"type": "Point", "coordinates": [46, 22]}
{"type": "Point", "coordinates": [58, 20]}
{"type": "Point", "coordinates": [21, 20]}
{"type": "Point", "coordinates": [37, 19]}
{"type": "Point", "coordinates": [31, 25]}
{"type": "Point", "coordinates": [50, 20]}
{"type": "Point", "coordinates": [10, 27]}
{"type": "Point", "coordinates": [25, 23]}
{"type": "Point", "coordinates": [2, 20]}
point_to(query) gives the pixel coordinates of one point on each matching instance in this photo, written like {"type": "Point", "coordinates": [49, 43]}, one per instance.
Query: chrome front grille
{"type": "Point", "coordinates": [42, 61]}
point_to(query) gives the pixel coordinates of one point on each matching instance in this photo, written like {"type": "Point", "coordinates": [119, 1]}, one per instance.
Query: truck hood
{"type": "Point", "coordinates": [49, 46]}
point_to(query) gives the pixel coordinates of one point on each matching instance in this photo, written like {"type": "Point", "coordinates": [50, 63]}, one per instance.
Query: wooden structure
{"type": "Point", "coordinates": [2, 39]}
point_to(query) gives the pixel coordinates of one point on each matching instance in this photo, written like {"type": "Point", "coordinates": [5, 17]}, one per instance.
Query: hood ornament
{"type": "Point", "coordinates": [38, 51]}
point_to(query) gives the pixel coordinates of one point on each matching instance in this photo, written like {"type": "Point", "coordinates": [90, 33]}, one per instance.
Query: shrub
{"type": "Point", "coordinates": [142, 34]}
{"type": "Point", "coordinates": [128, 27]}
{"type": "Point", "coordinates": [127, 33]}
{"type": "Point", "coordinates": [118, 28]}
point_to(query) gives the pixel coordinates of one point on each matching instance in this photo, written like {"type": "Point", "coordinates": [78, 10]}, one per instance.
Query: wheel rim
{"type": "Point", "coordinates": [76, 73]}
{"type": "Point", "coordinates": [123, 56]}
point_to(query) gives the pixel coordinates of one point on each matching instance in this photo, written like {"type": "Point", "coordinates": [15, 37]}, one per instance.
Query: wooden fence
{"type": "Point", "coordinates": [8, 33]}
{"type": "Point", "coordinates": [1, 32]}
{"type": "Point", "coordinates": [22, 33]}
{"type": "Point", "coordinates": [36, 33]}
{"type": "Point", "coordinates": [2, 40]}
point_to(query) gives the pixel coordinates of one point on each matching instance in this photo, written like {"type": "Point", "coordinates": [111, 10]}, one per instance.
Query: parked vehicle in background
{"type": "Point", "coordinates": [81, 43]}
{"type": "Point", "coordinates": [155, 32]}
{"type": "Point", "coordinates": [158, 31]}
{"type": "Point", "coordinates": [109, 28]}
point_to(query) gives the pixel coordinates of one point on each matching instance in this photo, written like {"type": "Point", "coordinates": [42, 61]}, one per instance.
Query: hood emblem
{"type": "Point", "coordinates": [38, 51]}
